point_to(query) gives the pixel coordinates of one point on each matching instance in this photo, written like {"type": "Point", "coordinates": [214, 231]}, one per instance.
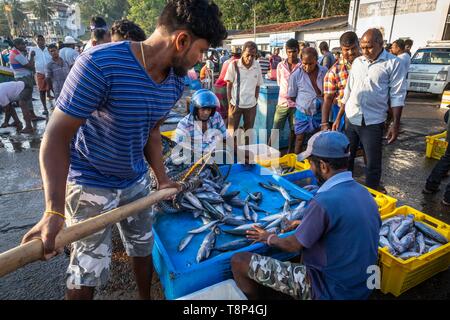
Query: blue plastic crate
{"type": "Point", "coordinates": [179, 273]}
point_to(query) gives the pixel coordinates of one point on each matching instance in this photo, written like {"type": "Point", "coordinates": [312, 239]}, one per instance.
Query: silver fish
{"type": "Point", "coordinates": [246, 211]}
{"type": "Point", "coordinates": [267, 186]}
{"type": "Point", "coordinates": [275, 230]}
{"type": "Point", "coordinates": [233, 245]}
{"type": "Point", "coordinates": [227, 207]}
{"type": "Point", "coordinates": [430, 232]}
{"type": "Point", "coordinates": [212, 211]}
{"type": "Point", "coordinates": [435, 247]}
{"type": "Point", "coordinates": [272, 217]}
{"type": "Point", "coordinates": [384, 230]}
{"type": "Point", "coordinates": [408, 255]}
{"type": "Point", "coordinates": [186, 205]}
{"type": "Point", "coordinates": [283, 191]}
{"type": "Point", "coordinates": [274, 223]}
{"type": "Point", "coordinates": [232, 221]}
{"type": "Point", "coordinates": [404, 227]}
{"type": "Point", "coordinates": [220, 209]}
{"type": "Point", "coordinates": [408, 241]}
{"type": "Point", "coordinates": [185, 241]}
{"type": "Point", "coordinates": [284, 223]}
{"type": "Point", "coordinates": [213, 184]}
{"type": "Point", "coordinates": [256, 196]}
{"type": "Point", "coordinates": [212, 198]}
{"type": "Point", "coordinates": [420, 240]}
{"type": "Point", "coordinates": [430, 242]}
{"type": "Point", "coordinates": [254, 215]}
{"type": "Point", "coordinates": [204, 227]}
{"type": "Point", "coordinates": [193, 200]}
{"type": "Point", "coordinates": [384, 242]}
{"type": "Point", "coordinates": [225, 188]}
{"type": "Point", "coordinates": [242, 230]}
{"type": "Point", "coordinates": [206, 246]}
{"type": "Point", "coordinates": [395, 242]}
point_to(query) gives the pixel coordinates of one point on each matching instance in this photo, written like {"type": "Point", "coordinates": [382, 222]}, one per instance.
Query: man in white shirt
{"type": "Point", "coordinates": [68, 53]}
{"type": "Point", "coordinates": [399, 49]}
{"type": "Point", "coordinates": [41, 59]}
{"type": "Point", "coordinates": [375, 81]}
{"type": "Point", "coordinates": [244, 79]}
{"type": "Point", "coordinates": [10, 92]}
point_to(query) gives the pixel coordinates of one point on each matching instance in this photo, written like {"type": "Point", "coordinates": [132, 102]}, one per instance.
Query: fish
{"type": "Point", "coordinates": [281, 190]}
{"type": "Point", "coordinates": [233, 245]}
{"type": "Point", "coordinates": [404, 227]}
{"type": "Point", "coordinates": [232, 221]}
{"type": "Point", "coordinates": [310, 187]}
{"type": "Point", "coordinates": [384, 242]}
{"type": "Point", "coordinates": [420, 240]}
{"type": "Point", "coordinates": [430, 242]}
{"type": "Point", "coordinates": [193, 200]}
{"type": "Point", "coordinates": [203, 227]}
{"type": "Point", "coordinates": [254, 215]}
{"type": "Point", "coordinates": [227, 207]}
{"type": "Point", "coordinates": [246, 211]}
{"type": "Point", "coordinates": [274, 230]}
{"type": "Point", "coordinates": [186, 205]}
{"type": "Point", "coordinates": [256, 196]}
{"type": "Point", "coordinates": [211, 210]}
{"type": "Point", "coordinates": [268, 187]}
{"type": "Point", "coordinates": [284, 224]}
{"type": "Point", "coordinates": [430, 232]}
{"type": "Point", "coordinates": [408, 255]}
{"type": "Point", "coordinates": [384, 230]}
{"type": "Point", "coordinates": [272, 217]}
{"type": "Point", "coordinates": [435, 247]}
{"type": "Point", "coordinates": [395, 242]}
{"type": "Point", "coordinates": [230, 195]}
{"type": "Point", "coordinates": [212, 198]}
{"type": "Point", "coordinates": [274, 223]}
{"type": "Point", "coordinates": [220, 209]}
{"type": "Point", "coordinates": [242, 230]}
{"type": "Point", "coordinates": [286, 207]}
{"type": "Point", "coordinates": [257, 208]}
{"type": "Point", "coordinates": [407, 242]}
{"type": "Point", "coordinates": [197, 213]}
{"type": "Point", "coordinates": [207, 245]}
{"type": "Point", "coordinates": [212, 183]}
{"type": "Point", "coordinates": [225, 188]}
{"type": "Point", "coordinates": [185, 241]}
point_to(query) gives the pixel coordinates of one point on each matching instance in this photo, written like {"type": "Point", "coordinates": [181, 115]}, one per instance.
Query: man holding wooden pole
{"type": "Point", "coordinates": [105, 130]}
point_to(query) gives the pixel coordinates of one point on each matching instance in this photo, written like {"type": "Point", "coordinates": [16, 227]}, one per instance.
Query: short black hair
{"type": "Point", "coordinates": [334, 163]}
{"type": "Point", "coordinates": [128, 30]}
{"type": "Point", "coordinates": [40, 36]}
{"type": "Point", "coordinates": [409, 42]}
{"type": "Point", "coordinates": [201, 17]}
{"type": "Point", "coordinates": [18, 42]}
{"type": "Point", "coordinates": [292, 44]}
{"type": "Point", "coordinates": [400, 43]}
{"type": "Point", "coordinates": [250, 45]}
{"type": "Point", "coordinates": [98, 34]}
{"type": "Point", "coordinates": [310, 51]}
{"type": "Point", "coordinates": [324, 46]}
{"type": "Point", "coordinates": [97, 22]}
{"type": "Point", "coordinates": [52, 46]}
{"type": "Point", "coordinates": [348, 39]}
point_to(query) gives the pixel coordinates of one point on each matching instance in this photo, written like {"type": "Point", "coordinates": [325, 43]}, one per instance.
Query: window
{"type": "Point", "coordinates": [431, 56]}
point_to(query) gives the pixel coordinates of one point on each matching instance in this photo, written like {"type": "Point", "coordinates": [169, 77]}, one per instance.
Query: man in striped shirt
{"type": "Point", "coordinates": [105, 131]}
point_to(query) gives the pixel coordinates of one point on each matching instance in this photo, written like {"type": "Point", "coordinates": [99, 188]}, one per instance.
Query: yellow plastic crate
{"type": "Point", "coordinates": [398, 275]}
{"type": "Point", "coordinates": [386, 204]}
{"type": "Point", "coordinates": [289, 160]}
{"type": "Point", "coordinates": [169, 134]}
{"type": "Point", "coordinates": [436, 145]}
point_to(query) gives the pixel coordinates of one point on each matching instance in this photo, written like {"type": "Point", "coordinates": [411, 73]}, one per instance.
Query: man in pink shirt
{"type": "Point", "coordinates": [286, 108]}
{"type": "Point", "coordinates": [220, 87]}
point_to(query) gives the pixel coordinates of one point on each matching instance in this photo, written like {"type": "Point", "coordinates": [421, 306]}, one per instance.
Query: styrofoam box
{"type": "Point", "coordinates": [225, 290]}
{"type": "Point", "coordinates": [262, 151]}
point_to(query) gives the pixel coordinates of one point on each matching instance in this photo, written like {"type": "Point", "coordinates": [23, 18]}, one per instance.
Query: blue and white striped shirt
{"type": "Point", "coordinates": [109, 88]}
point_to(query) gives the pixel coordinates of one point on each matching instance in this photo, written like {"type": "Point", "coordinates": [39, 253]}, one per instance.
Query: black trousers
{"type": "Point", "coordinates": [371, 139]}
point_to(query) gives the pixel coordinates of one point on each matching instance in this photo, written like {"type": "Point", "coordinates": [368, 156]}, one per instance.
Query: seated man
{"type": "Point", "coordinates": [338, 242]}
{"type": "Point", "coordinates": [203, 127]}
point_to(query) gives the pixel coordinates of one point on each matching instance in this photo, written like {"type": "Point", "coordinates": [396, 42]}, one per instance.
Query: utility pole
{"type": "Point", "coordinates": [393, 19]}
{"type": "Point", "coordinates": [323, 8]}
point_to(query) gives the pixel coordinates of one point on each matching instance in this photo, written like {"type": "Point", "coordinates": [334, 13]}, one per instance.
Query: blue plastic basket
{"type": "Point", "coordinates": [179, 273]}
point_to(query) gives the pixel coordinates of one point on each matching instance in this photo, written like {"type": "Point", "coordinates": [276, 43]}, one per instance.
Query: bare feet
{"type": "Point", "coordinates": [4, 125]}
{"type": "Point", "coordinates": [36, 118]}
{"type": "Point", "coordinates": [27, 130]}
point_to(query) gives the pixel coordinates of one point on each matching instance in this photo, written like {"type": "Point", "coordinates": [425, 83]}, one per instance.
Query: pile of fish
{"type": "Point", "coordinates": [406, 238]}
{"type": "Point", "coordinates": [213, 204]}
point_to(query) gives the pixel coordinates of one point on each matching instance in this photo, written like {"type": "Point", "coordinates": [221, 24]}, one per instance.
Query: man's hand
{"type": "Point", "coordinates": [336, 123]}
{"type": "Point", "coordinates": [46, 230]}
{"type": "Point", "coordinates": [291, 226]}
{"type": "Point", "coordinates": [392, 133]}
{"type": "Point", "coordinates": [324, 127]}
{"type": "Point", "coordinates": [32, 54]}
{"type": "Point", "coordinates": [258, 234]}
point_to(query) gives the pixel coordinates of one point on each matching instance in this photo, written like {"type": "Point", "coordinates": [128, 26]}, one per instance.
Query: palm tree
{"type": "Point", "coordinates": [43, 10]}
{"type": "Point", "coordinates": [17, 16]}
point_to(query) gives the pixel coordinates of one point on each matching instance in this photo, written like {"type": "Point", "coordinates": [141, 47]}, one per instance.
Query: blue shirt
{"type": "Point", "coordinates": [370, 87]}
{"type": "Point", "coordinates": [301, 88]}
{"type": "Point", "coordinates": [340, 233]}
{"type": "Point", "coordinates": [109, 88]}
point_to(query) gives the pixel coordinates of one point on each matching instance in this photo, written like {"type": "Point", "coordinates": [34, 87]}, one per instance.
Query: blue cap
{"type": "Point", "coordinates": [327, 144]}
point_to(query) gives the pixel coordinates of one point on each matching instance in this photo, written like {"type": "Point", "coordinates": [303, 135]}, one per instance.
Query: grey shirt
{"type": "Point", "coordinates": [57, 72]}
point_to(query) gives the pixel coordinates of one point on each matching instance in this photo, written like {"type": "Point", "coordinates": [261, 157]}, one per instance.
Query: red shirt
{"type": "Point", "coordinates": [220, 81]}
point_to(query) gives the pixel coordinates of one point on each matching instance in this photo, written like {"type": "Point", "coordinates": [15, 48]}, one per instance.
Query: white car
{"type": "Point", "coordinates": [429, 70]}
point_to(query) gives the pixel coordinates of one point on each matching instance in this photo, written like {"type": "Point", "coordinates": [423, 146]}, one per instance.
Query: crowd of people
{"type": "Point", "coordinates": [104, 134]}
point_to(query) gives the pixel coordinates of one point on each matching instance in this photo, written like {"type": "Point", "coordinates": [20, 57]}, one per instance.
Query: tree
{"type": "Point", "coordinates": [43, 10]}
{"type": "Point", "coordinates": [4, 25]}
{"type": "Point", "coordinates": [145, 13]}
{"type": "Point", "coordinates": [18, 18]}
{"type": "Point", "coordinates": [110, 10]}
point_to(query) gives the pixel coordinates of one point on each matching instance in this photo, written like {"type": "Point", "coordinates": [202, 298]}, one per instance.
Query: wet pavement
{"type": "Point", "coordinates": [405, 171]}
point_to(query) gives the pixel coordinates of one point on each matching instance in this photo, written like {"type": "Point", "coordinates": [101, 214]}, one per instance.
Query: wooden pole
{"type": "Point", "coordinates": [34, 250]}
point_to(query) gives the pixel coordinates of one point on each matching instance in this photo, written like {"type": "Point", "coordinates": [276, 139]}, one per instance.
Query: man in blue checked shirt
{"type": "Point", "coordinates": [105, 132]}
